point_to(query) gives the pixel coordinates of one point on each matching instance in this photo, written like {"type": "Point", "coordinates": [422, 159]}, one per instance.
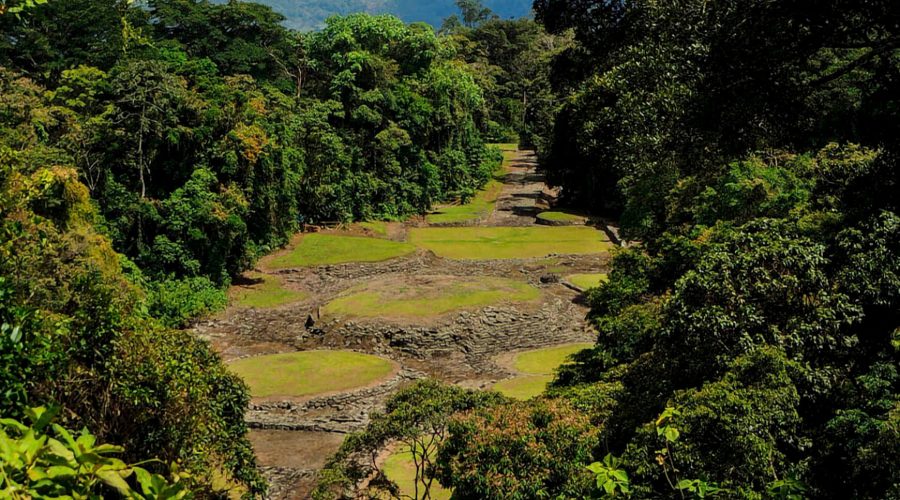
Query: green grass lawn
{"type": "Point", "coordinates": [427, 296]}
{"type": "Point", "coordinates": [509, 242]}
{"type": "Point", "coordinates": [537, 368]}
{"type": "Point", "coordinates": [268, 293]}
{"type": "Point", "coordinates": [315, 249]}
{"type": "Point", "coordinates": [545, 361]}
{"type": "Point", "coordinates": [523, 387]}
{"type": "Point", "coordinates": [556, 216]}
{"type": "Point", "coordinates": [481, 205]}
{"type": "Point", "coordinates": [585, 281]}
{"type": "Point", "coordinates": [308, 373]}
{"type": "Point", "coordinates": [399, 467]}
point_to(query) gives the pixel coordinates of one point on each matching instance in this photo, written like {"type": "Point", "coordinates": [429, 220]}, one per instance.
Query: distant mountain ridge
{"type": "Point", "coordinates": [311, 14]}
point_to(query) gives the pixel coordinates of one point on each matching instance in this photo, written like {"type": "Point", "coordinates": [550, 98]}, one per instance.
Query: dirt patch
{"type": "Point", "coordinates": [294, 449]}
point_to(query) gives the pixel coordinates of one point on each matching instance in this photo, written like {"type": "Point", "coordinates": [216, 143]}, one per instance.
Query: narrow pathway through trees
{"type": "Point", "coordinates": [524, 193]}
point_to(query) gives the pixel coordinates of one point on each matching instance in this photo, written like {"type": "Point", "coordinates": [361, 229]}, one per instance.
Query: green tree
{"type": "Point", "coordinates": [473, 12]}
{"type": "Point", "coordinates": [515, 450]}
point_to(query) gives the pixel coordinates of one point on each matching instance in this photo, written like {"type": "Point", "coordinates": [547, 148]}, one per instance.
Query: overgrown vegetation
{"type": "Point", "coordinates": [748, 346]}
{"type": "Point", "coordinates": [39, 459]}
{"type": "Point", "coordinates": [479, 206]}
{"type": "Point", "coordinates": [150, 153]}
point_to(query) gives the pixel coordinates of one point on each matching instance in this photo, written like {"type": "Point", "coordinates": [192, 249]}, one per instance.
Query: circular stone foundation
{"type": "Point", "coordinates": [427, 296]}
{"type": "Point", "coordinates": [310, 373]}
{"type": "Point", "coordinates": [535, 369]}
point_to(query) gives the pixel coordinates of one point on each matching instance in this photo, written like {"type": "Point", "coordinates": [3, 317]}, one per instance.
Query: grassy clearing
{"type": "Point", "coordinates": [481, 206]}
{"type": "Point", "coordinates": [585, 281]}
{"type": "Point", "coordinates": [537, 367]}
{"type": "Point", "coordinates": [509, 242]}
{"type": "Point", "coordinates": [556, 216]}
{"type": "Point", "coordinates": [400, 468]}
{"type": "Point", "coordinates": [266, 293]}
{"type": "Point", "coordinates": [427, 296]}
{"type": "Point", "coordinates": [523, 387]}
{"type": "Point", "coordinates": [318, 249]}
{"type": "Point", "coordinates": [505, 146]}
{"type": "Point", "coordinates": [307, 373]}
{"type": "Point", "coordinates": [546, 361]}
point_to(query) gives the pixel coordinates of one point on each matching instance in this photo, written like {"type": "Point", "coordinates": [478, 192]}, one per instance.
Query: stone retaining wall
{"type": "Point", "coordinates": [342, 413]}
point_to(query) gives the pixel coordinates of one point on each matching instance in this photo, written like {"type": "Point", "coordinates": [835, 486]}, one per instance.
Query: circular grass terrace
{"type": "Point", "coordinates": [586, 280]}
{"type": "Point", "coordinates": [536, 368]}
{"type": "Point", "coordinates": [487, 243]}
{"type": "Point", "coordinates": [310, 373]}
{"type": "Point", "coordinates": [427, 296]}
{"type": "Point", "coordinates": [316, 249]}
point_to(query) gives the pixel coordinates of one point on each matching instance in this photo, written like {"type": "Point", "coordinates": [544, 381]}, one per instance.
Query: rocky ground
{"type": "Point", "coordinates": [293, 438]}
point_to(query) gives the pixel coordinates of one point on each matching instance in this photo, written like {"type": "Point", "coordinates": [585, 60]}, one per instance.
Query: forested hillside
{"type": "Point", "coordinates": [748, 346]}
{"type": "Point", "coordinates": [741, 156]}
{"type": "Point", "coordinates": [748, 338]}
{"type": "Point", "coordinates": [151, 154]}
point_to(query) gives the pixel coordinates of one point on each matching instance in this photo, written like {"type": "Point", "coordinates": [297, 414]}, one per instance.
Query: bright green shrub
{"type": "Point", "coordinates": [514, 450]}
{"type": "Point", "coordinates": [40, 460]}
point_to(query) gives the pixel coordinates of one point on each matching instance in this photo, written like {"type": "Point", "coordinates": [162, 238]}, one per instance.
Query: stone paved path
{"type": "Point", "coordinates": [524, 193]}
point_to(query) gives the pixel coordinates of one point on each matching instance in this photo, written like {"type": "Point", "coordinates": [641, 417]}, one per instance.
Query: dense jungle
{"type": "Point", "coordinates": [637, 249]}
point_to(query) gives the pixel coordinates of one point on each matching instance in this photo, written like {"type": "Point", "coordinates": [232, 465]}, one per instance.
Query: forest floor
{"type": "Point", "coordinates": [496, 279]}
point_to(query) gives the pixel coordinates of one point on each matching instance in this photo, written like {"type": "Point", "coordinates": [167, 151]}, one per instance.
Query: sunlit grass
{"type": "Point", "coordinates": [400, 468]}
{"type": "Point", "coordinates": [308, 373]}
{"type": "Point", "coordinates": [267, 293]}
{"type": "Point", "coordinates": [509, 242]}
{"type": "Point", "coordinates": [537, 368]}
{"type": "Point", "coordinates": [426, 296]}
{"type": "Point", "coordinates": [523, 387]}
{"type": "Point", "coordinates": [585, 281]}
{"type": "Point", "coordinates": [545, 361]}
{"type": "Point", "coordinates": [481, 206]}
{"type": "Point", "coordinates": [318, 249]}
{"type": "Point", "coordinates": [557, 216]}
{"type": "Point", "coordinates": [505, 146]}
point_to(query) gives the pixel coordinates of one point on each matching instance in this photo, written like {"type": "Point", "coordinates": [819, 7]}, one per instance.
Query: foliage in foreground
{"type": "Point", "coordinates": [44, 460]}
{"type": "Point", "coordinates": [76, 332]}
{"type": "Point", "coordinates": [150, 153]}
{"type": "Point", "coordinates": [749, 347]}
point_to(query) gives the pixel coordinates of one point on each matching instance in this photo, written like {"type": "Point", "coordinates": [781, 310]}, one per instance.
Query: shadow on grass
{"type": "Point", "coordinates": [245, 280]}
